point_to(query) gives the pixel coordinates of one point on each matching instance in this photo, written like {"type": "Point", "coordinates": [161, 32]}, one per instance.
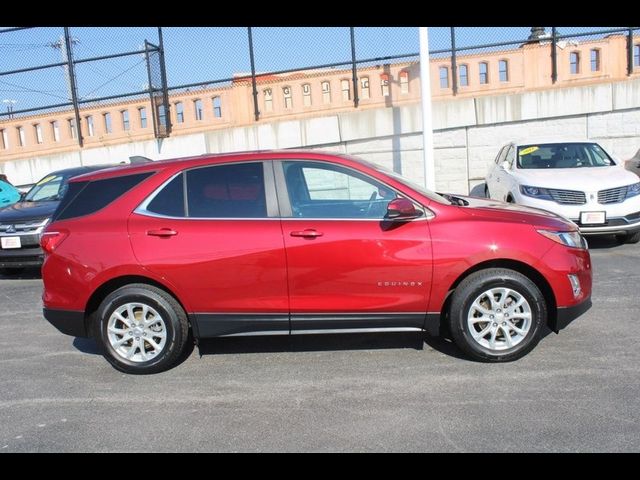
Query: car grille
{"type": "Point", "coordinates": [568, 197]}
{"type": "Point", "coordinates": [25, 227]}
{"type": "Point", "coordinates": [612, 195]}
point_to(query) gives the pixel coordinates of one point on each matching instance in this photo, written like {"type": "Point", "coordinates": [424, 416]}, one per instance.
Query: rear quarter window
{"type": "Point", "coordinates": [84, 198]}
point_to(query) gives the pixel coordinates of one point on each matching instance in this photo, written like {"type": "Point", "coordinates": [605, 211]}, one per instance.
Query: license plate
{"type": "Point", "coordinates": [592, 218]}
{"type": "Point", "coordinates": [10, 242]}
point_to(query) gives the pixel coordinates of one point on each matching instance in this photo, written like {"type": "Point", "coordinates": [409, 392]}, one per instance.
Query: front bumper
{"type": "Point", "coordinates": [623, 217]}
{"type": "Point", "coordinates": [21, 257]}
{"type": "Point", "coordinates": [67, 321]}
{"type": "Point", "coordinates": [566, 315]}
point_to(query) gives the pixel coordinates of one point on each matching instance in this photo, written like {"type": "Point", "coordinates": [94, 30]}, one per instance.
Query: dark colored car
{"type": "Point", "coordinates": [22, 223]}
{"type": "Point", "coordinates": [272, 243]}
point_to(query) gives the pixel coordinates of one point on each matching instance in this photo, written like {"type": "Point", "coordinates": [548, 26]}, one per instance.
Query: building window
{"type": "Point", "coordinates": [179, 112]}
{"type": "Point", "coordinates": [108, 128]}
{"type": "Point", "coordinates": [306, 94]}
{"type": "Point", "coordinates": [326, 92]}
{"type": "Point", "coordinates": [574, 62]}
{"type": "Point", "coordinates": [38, 130]}
{"type": "Point", "coordinates": [142, 114]}
{"type": "Point", "coordinates": [345, 86]}
{"type": "Point", "coordinates": [484, 73]}
{"type": "Point", "coordinates": [384, 84]}
{"type": "Point", "coordinates": [636, 56]}
{"type": "Point", "coordinates": [197, 105]}
{"type": "Point", "coordinates": [4, 138]}
{"type": "Point", "coordinates": [595, 60]}
{"type": "Point", "coordinates": [71, 122]}
{"type": "Point", "coordinates": [162, 117]}
{"type": "Point", "coordinates": [463, 73]}
{"type": "Point", "coordinates": [55, 131]}
{"type": "Point", "coordinates": [286, 93]}
{"type": "Point", "coordinates": [364, 88]}
{"type": "Point", "coordinates": [444, 77]}
{"type": "Point", "coordinates": [404, 82]}
{"type": "Point", "coordinates": [268, 100]}
{"type": "Point", "coordinates": [22, 141]}
{"type": "Point", "coordinates": [126, 124]}
{"type": "Point", "coordinates": [503, 70]}
{"type": "Point", "coordinates": [217, 107]}
{"type": "Point", "coordinates": [89, 120]}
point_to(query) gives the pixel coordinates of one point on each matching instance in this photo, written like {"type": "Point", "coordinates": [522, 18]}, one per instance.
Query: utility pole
{"type": "Point", "coordinates": [427, 125]}
{"type": "Point", "coordinates": [61, 45]}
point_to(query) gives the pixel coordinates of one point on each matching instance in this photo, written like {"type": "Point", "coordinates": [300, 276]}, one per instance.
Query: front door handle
{"type": "Point", "coordinates": [308, 233]}
{"type": "Point", "coordinates": [163, 232]}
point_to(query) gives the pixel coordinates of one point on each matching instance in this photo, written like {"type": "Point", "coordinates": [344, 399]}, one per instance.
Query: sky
{"type": "Point", "coordinates": [199, 54]}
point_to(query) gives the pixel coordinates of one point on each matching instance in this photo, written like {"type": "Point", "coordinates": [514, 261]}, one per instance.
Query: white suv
{"type": "Point", "coordinates": [578, 180]}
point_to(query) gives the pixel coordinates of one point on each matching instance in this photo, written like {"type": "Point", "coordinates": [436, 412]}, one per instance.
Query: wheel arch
{"type": "Point", "coordinates": [534, 275]}
{"type": "Point", "coordinates": [113, 284]}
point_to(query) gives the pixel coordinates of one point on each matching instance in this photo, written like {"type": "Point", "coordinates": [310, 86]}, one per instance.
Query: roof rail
{"type": "Point", "coordinates": [139, 159]}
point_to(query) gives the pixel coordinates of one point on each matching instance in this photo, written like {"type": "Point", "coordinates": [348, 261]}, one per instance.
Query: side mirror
{"type": "Point", "coordinates": [505, 165]}
{"type": "Point", "coordinates": [22, 195]}
{"type": "Point", "coordinates": [402, 209]}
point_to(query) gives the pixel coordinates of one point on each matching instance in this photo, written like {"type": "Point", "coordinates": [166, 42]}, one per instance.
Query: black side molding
{"type": "Point", "coordinates": [68, 322]}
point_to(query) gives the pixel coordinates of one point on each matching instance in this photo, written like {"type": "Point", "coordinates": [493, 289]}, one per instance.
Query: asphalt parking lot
{"type": "Point", "coordinates": [576, 392]}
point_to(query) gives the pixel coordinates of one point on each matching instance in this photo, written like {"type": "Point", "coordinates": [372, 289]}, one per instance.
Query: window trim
{"type": "Point", "coordinates": [269, 192]}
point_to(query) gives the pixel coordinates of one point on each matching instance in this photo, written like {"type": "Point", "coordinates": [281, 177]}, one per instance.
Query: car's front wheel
{"type": "Point", "coordinates": [497, 315]}
{"type": "Point", "coordinates": [142, 329]}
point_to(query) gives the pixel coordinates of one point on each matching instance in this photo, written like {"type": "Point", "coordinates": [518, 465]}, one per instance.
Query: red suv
{"type": "Point", "coordinates": [280, 243]}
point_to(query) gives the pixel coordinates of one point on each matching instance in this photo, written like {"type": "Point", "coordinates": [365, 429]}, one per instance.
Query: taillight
{"type": "Point", "coordinates": [50, 240]}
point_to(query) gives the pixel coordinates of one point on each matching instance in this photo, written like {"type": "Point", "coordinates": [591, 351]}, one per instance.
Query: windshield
{"type": "Point", "coordinates": [51, 187]}
{"type": "Point", "coordinates": [563, 155]}
{"type": "Point", "coordinates": [418, 188]}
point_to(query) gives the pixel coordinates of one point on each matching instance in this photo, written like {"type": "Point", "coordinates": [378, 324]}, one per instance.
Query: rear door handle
{"type": "Point", "coordinates": [163, 232]}
{"type": "Point", "coordinates": [308, 233]}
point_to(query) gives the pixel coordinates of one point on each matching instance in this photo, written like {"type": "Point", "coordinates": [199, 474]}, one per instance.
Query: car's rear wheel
{"type": "Point", "coordinates": [497, 315]}
{"type": "Point", "coordinates": [629, 237]}
{"type": "Point", "coordinates": [142, 329]}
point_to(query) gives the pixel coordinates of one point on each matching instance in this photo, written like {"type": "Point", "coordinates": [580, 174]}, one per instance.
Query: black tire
{"type": "Point", "coordinates": [175, 328]}
{"type": "Point", "coordinates": [629, 237]}
{"type": "Point", "coordinates": [472, 288]}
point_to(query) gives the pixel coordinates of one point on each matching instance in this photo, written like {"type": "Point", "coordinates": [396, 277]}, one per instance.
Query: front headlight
{"type": "Point", "coordinates": [569, 239]}
{"type": "Point", "coordinates": [633, 190]}
{"type": "Point", "coordinates": [535, 192]}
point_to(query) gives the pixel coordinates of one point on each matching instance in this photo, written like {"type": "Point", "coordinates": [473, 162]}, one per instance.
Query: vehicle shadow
{"type": "Point", "coordinates": [23, 274]}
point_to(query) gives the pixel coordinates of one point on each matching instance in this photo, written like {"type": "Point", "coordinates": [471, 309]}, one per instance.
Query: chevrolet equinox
{"type": "Point", "coordinates": [144, 257]}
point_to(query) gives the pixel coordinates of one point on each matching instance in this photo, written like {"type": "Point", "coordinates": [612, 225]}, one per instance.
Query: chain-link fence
{"type": "Point", "coordinates": [225, 73]}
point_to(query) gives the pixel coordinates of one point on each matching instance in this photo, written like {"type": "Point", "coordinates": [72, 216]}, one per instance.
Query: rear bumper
{"type": "Point", "coordinates": [568, 314]}
{"type": "Point", "coordinates": [68, 322]}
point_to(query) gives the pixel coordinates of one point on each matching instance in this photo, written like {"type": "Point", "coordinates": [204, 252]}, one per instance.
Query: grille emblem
{"type": "Point", "coordinates": [11, 229]}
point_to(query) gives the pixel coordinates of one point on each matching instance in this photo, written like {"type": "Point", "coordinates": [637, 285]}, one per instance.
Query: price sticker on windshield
{"type": "Point", "coordinates": [593, 218]}
{"type": "Point", "coordinates": [529, 150]}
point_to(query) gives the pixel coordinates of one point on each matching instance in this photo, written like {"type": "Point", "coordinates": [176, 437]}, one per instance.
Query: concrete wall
{"type": "Point", "coordinates": [467, 134]}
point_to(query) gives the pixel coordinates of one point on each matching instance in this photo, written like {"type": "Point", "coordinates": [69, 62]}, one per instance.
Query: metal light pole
{"type": "Point", "coordinates": [427, 126]}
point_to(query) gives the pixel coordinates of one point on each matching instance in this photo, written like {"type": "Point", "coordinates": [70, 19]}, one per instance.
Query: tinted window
{"type": "Point", "coordinates": [170, 200]}
{"type": "Point", "coordinates": [226, 191]}
{"type": "Point", "coordinates": [95, 195]}
{"type": "Point", "coordinates": [327, 191]}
